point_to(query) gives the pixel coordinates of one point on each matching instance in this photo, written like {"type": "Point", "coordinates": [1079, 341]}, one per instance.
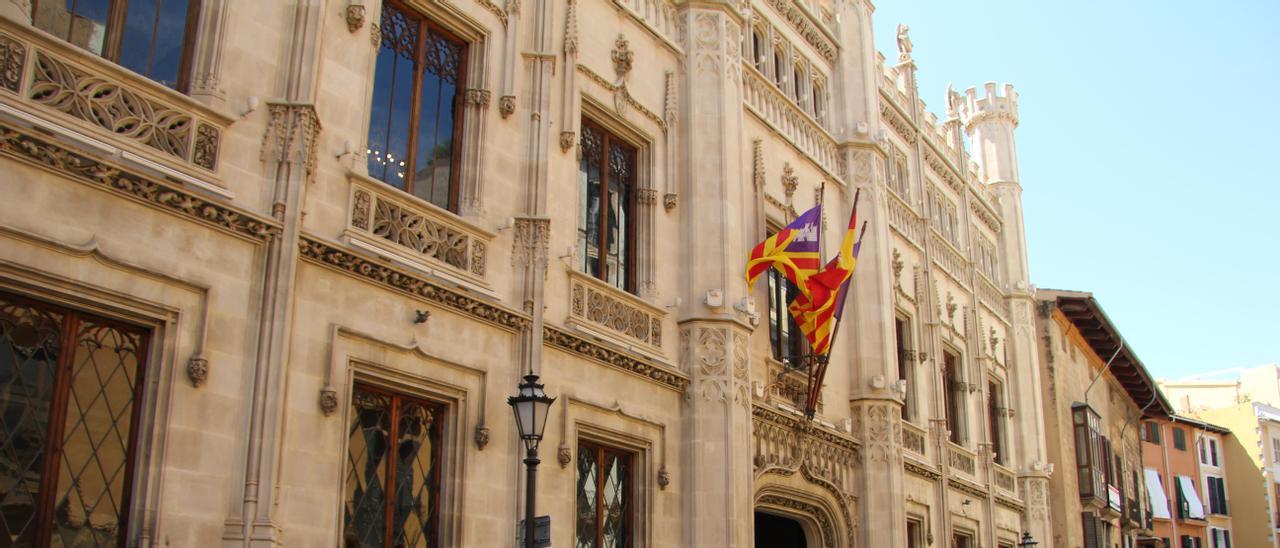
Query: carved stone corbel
{"type": "Point", "coordinates": [482, 436]}
{"type": "Point", "coordinates": [355, 16]}
{"type": "Point", "coordinates": [328, 400]}
{"type": "Point", "coordinates": [563, 455]}
{"type": "Point", "coordinates": [664, 478]}
{"type": "Point", "coordinates": [507, 105]}
{"type": "Point", "coordinates": [198, 370]}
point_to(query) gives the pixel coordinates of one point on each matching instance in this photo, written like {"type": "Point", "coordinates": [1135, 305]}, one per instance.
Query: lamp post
{"type": "Point", "coordinates": [1027, 541]}
{"type": "Point", "coordinates": [531, 406]}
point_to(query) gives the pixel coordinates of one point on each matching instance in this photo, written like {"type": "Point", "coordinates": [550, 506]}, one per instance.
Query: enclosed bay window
{"type": "Point", "coordinates": [785, 336]}
{"type": "Point", "coordinates": [953, 395]}
{"type": "Point", "coordinates": [995, 419]}
{"type": "Point", "coordinates": [906, 371]}
{"type": "Point", "coordinates": [392, 479]}
{"type": "Point", "coordinates": [153, 38]}
{"type": "Point", "coordinates": [1092, 462]}
{"type": "Point", "coordinates": [70, 390]}
{"type": "Point", "coordinates": [604, 497]}
{"type": "Point", "coordinates": [606, 183]}
{"type": "Point", "coordinates": [417, 107]}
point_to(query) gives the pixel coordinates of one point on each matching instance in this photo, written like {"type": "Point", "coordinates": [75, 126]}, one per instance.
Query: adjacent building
{"type": "Point", "coordinates": [1252, 457]}
{"type": "Point", "coordinates": [1225, 389]}
{"type": "Point", "coordinates": [1185, 469]}
{"type": "Point", "coordinates": [1096, 394]}
{"type": "Point", "coordinates": [268, 270]}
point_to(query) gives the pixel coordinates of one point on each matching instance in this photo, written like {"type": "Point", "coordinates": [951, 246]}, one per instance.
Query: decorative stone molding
{"type": "Point", "coordinates": [477, 97]}
{"type": "Point", "coordinates": [45, 75]}
{"type": "Point", "coordinates": [951, 261]}
{"type": "Point", "coordinates": [776, 110]}
{"type": "Point", "coordinates": [788, 444]}
{"type": "Point", "coordinates": [807, 27]}
{"type": "Point", "coordinates": [967, 487]}
{"type": "Point", "coordinates": [622, 57]}
{"type": "Point", "coordinates": [53, 156]}
{"type": "Point", "coordinates": [507, 105]}
{"type": "Point", "coordinates": [571, 29]}
{"type": "Point", "coordinates": [379, 273]}
{"type": "Point", "coordinates": [530, 241]}
{"type": "Point", "coordinates": [669, 201]}
{"type": "Point", "coordinates": [881, 430]}
{"type": "Point", "coordinates": [567, 140]}
{"type": "Point", "coordinates": [818, 514]}
{"type": "Point", "coordinates": [789, 181]}
{"type": "Point", "coordinates": [197, 370]}
{"type": "Point", "coordinates": [481, 436]}
{"type": "Point", "coordinates": [1011, 504]}
{"type": "Point", "coordinates": [293, 130]}
{"type": "Point", "coordinates": [496, 10]}
{"type": "Point", "coordinates": [1005, 480]}
{"type": "Point", "coordinates": [639, 365]}
{"type": "Point", "coordinates": [658, 16]}
{"type": "Point", "coordinates": [598, 306]}
{"type": "Point", "coordinates": [1036, 497]}
{"type": "Point", "coordinates": [328, 400]}
{"type": "Point", "coordinates": [898, 122]}
{"type": "Point", "coordinates": [921, 470]}
{"type": "Point", "coordinates": [564, 455]}
{"type": "Point", "coordinates": [355, 17]}
{"type": "Point", "coordinates": [961, 459]}
{"type": "Point", "coordinates": [621, 91]}
{"type": "Point", "coordinates": [991, 297]}
{"type": "Point", "coordinates": [913, 439]}
{"type": "Point", "coordinates": [415, 231]}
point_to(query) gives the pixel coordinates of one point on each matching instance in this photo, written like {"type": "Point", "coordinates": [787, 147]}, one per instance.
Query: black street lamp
{"type": "Point", "coordinates": [1027, 541]}
{"type": "Point", "coordinates": [531, 406]}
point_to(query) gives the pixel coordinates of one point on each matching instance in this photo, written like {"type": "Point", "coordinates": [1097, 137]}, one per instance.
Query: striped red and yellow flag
{"type": "Point", "coordinates": [792, 250]}
{"type": "Point", "coordinates": [818, 310]}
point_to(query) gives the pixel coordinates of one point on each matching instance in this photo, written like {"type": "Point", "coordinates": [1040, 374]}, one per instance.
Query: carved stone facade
{"type": "Point", "coordinates": [238, 222]}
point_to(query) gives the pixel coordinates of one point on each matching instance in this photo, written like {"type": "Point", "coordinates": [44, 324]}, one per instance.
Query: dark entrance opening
{"type": "Point", "coordinates": [778, 532]}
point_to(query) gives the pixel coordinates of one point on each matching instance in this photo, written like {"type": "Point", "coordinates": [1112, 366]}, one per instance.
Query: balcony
{"type": "Point", "coordinates": [963, 460]}
{"type": "Point", "coordinates": [604, 310]}
{"type": "Point", "coordinates": [913, 440]}
{"type": "Point", "coordinates": [415, 233]}
{"type": "Point", "coordinates": [1006, 481]}
{"type": "Point", "coordinates": [54, 85]}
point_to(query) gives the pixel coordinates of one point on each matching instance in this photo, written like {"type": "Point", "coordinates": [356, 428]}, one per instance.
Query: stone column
{"type": "Point", "coordinates": [716, 209]}
{"type": "Point", "coordinates": [866, 342]}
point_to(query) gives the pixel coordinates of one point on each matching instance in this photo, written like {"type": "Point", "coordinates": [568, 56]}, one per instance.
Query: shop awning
{"type": "Point", "coordinates": [1195, 509]}
{"type": "Point", "coordinates": [1159, 498]}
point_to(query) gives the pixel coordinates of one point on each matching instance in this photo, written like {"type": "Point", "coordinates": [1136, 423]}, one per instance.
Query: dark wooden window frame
{"type": "Point", "coordinates": [609, 139]}
{"type": "Point", "coordinates": [426, 26]}
{"type": "Point", "coordinates": [953, 395]}
{"type": "Point", "coordinates": [601, 450]}
{"type": "Point", "coordinates": [781, 293]}
{"type": "Point", "coordinates": [114, 38]}
{"type": "Point", "coordinates": [995, 416]}
{"type": "Point", "coordinates": [440, 411]}
{"type": "Point", "coordinates": [72, 318]}
{"type": "Point", "coordinates": [906, 370]}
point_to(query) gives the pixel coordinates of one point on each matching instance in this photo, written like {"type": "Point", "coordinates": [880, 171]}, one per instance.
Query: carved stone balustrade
{"type": "Point", "coordinates": [778, 111]}
{"type": "Point", "coordinates": [600, 308]}
{"type": "Point", "coordinates": [991, 297]}
{"type": "Point", "coordinates": [1006, 480]}
{"type": "Point", "coordinates": [949, 259]}
{"type": "Point", "coordinates": [904, 221]}
{"type": "Point", "coordinates": [913, 439]}
{"type": "Point", "coordinates": [46, 81]}
{"type": "Point", "coordinates": [404, 228]}
{"type": "Point", "coordinates": [962, 460]}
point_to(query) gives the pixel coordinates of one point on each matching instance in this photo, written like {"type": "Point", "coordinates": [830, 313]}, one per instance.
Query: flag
{"type": "Point", "coordinates": [792, 250]}
{"type": "Point", "coordinates": [819, 309]}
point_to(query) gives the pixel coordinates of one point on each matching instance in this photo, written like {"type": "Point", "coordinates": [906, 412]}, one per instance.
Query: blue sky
{"type": "Point", "coordinates": [1147, 150]}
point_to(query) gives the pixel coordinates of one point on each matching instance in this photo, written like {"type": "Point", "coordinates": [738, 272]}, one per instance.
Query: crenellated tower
{"type": "Point", "coordinates": [989, 120]}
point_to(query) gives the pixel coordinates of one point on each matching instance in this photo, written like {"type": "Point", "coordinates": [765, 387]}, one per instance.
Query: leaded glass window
{"type": "Point", "coordinates": [417, 107]}
{"type": "Point", "coordinates": [393, 471]}
{"type": "Point", "coordinates": [604, 497]}
{"type": "Point", "coordinates": [69, 389]}
{"type": "Point", "coordinates": [606, 179]}
{"type": "Point", "coordinates": [150, 37]}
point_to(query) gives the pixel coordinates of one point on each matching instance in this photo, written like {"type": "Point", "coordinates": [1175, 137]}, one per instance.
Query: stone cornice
{"type": "Point", "coordinates": [1010, 504]}
{"type": "Point", "coordinates": [815, 430]}
{"type": "Point", "coordinates": [806, 26]}
{"type": "Point", "coordinates": [898, 121]}
{"type": "Point", "coordinates": [639, 365]}
{"type": "Point", "coordinates": [56, 157]}
{"type": "Point", "coordinates": [966, 487]}
{"type": "Point", "coordinates": [348, 262]}
{"type": "Point", "coordinates": [923, 471]}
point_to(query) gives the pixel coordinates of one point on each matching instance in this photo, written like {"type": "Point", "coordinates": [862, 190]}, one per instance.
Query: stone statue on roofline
{"type": "Point", "coordinates": [904, 43]}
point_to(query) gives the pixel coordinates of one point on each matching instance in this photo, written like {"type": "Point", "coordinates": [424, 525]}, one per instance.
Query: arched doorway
{"type": "Point", "coordinates": [774, 531]}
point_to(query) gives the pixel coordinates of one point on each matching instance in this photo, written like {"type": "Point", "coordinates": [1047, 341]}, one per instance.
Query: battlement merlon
{"type": "Point", "coordinates": [976, 109]}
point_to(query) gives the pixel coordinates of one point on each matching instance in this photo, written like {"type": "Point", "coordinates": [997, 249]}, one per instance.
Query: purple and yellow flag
{"type": "Point", "coordinates": [818, 309]}
{"type": "Point", "coordinates": [792, 250]}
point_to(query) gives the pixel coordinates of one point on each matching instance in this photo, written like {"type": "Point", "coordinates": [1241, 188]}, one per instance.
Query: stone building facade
{"type": "Point", "coordinates": [1097, 394]}
{"type": "Point", "coordinates": [271, 267]}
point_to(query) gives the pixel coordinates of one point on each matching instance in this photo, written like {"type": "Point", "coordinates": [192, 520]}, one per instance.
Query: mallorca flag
{"type": "Point", "coordinates": [793, 250]}
{"type": "Point", "coordinates": [819, 309]}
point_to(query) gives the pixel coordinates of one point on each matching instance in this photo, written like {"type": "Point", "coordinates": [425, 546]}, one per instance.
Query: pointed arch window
{"type": "Point", "coordinates": [154, 38]}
